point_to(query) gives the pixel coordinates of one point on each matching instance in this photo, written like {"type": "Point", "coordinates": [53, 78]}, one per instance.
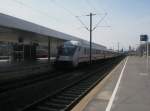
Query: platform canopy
{"type": "Point", "coordinates": [16, 23]}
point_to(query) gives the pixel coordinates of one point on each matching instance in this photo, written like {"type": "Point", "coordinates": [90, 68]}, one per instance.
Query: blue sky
{"type": "Point", "coordinates": [127, 18]}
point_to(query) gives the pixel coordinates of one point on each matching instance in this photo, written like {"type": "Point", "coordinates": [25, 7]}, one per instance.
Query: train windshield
{"type": "Point", "coordinates": [67, 50]}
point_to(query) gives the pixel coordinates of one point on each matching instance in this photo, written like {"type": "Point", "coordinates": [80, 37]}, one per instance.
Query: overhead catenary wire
{"type": "Point", "coordinates": [61, 6]}
{"type": "Point", "coordinates": [82, 23]}
{"type": "Point", "coordinates": [67, 10]}
{"type": "Point", "coordinates": [36, 10]}
{"type": "Point", "coordinates": [72, 14]}
{"type": "Point", "coordinates": [91, 6]}
{"type": "Point", "coordinates": [78, 17]}
{"type": "Point", "coordinates": [47, 15]}
{"type": "Point", "coordinates": [97, 25]}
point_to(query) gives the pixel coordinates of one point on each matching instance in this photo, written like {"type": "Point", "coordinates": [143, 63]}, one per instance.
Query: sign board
{"type": "Point", "coordinates": [143, 37]}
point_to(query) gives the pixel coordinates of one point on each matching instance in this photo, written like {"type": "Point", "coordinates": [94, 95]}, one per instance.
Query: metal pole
{"type": "Point", "coordinates": [147, 55]}
{"type": "Point", "coordinates": [90, 38]}
{"type": "Point", "coordinates": [118, 46]}
{"type": "Point", "coordinates": [48, 50]}
{"type": "Point", "coordinates": [113, 47]}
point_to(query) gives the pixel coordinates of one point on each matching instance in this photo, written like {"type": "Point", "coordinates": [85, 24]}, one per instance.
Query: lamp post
{"type": "Point", "coordinates": [145, 38]}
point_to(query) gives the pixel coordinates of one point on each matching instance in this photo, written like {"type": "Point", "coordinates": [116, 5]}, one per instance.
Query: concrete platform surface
{"type": "Point", "coordinates": [131, 93]}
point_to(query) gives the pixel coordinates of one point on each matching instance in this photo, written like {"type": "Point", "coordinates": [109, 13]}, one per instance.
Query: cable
{"type": "Point", "coordinates": [54, 2]}
{"type": "Point", "coordinates": [89, 3]}
{"type": "Point", "coordinates": [82, 23]}
{"type": "Point", "coordinates": [36, 10]}
{"type": "Point", "coordinates": [72, 14]}
{"type": "Point", "coordinates": [100, 21]}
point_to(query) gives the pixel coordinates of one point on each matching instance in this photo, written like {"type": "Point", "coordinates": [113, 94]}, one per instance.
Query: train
{"type": "Point", "coordinates": [76, 52]}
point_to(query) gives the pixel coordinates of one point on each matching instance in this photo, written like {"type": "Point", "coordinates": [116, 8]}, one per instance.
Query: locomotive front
{"type": "Point", "coordinates": [67, 53]}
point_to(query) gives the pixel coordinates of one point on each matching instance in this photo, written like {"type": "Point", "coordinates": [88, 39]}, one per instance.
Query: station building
{"type": "Point", "coordinates": [21, 40]}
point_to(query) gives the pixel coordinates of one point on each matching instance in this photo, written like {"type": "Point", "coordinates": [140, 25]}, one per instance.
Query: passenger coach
{"type": "Point", "coordinates": [75, 52]}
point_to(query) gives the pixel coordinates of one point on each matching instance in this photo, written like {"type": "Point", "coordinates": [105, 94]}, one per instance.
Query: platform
{"type": "Point", "coordinates": [126, 88]}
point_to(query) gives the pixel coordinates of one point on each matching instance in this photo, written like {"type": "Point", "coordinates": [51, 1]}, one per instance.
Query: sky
{"type": "Point", "coordinates": [125, 21]}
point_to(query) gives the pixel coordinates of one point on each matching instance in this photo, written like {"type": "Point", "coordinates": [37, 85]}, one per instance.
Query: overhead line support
{"type": "Point", "coordinates": [91, 14]}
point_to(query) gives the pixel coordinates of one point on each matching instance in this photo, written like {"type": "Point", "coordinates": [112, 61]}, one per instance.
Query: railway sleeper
{"type": "Point", "coordinates": [74, 92]}
{"type": "Point", "coordinates": [64, 97]}
{"type": "Point", "coordinates": [45, 108]}
{"type": "Point", "coordinates": [55, 100]}
{"type": "Point", "coordinates": [55, 105]}
{"type": "Point", "coordinates": [71, 94]}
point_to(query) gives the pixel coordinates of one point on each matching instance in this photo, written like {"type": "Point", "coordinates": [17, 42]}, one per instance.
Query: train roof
{"type": "Point", "coordinates": [19, 24]}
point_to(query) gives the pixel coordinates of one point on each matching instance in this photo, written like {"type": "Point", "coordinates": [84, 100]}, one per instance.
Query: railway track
{"type": "Point", "coordinates": [58, 87]}
{"type": "Point", "coordinates": [21, 82]}
{"type": "Point", "coordinates": [15, 83]}
{"type": "Point", "coordinates": [69, 96]}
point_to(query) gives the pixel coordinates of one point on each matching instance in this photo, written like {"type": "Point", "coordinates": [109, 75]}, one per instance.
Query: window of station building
{"type": "Point", "coordinates": [99, 51]}
{"type": "Point", "coordinates": [92, 51]}
{"type": "Point", "coordinates": [96, 51]}
{"type": "Point", "coordinates": [41, 52]}
{"type": "Point", "coordinates": [5, 51]}
{"type": "Point", "coordinates": [79, 48]}
{"type": "Point", "coordinates": [88, 51]}
{"type": "Point", "coordinates": [85, 51]}
{"type": "Point", "coordinates": [104, 52]}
